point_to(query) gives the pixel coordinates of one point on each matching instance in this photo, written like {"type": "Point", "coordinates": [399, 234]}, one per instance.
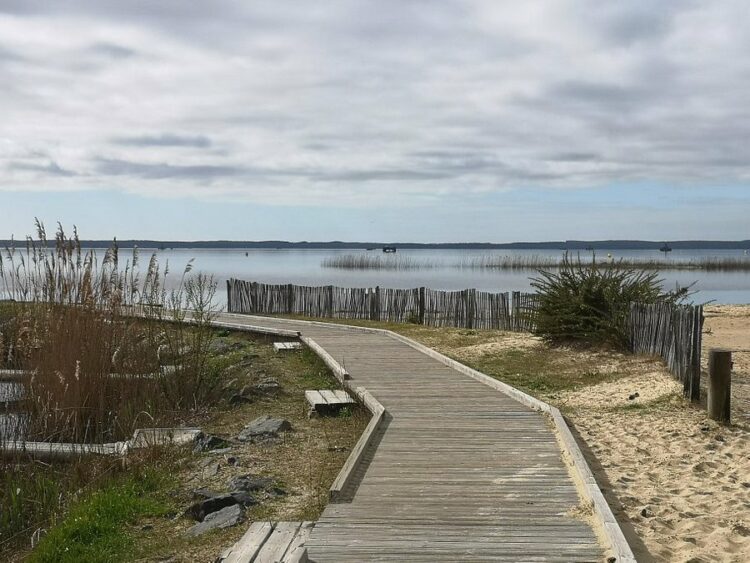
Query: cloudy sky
{"type": "Point", "coordinates": [383, 120]}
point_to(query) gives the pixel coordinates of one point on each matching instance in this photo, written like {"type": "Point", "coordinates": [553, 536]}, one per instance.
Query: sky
{"type": "Point", "coordinates": [408, 120]}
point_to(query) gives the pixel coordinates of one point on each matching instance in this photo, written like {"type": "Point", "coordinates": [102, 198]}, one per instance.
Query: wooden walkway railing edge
{"type": "Point", "coordinates": [608, 528]}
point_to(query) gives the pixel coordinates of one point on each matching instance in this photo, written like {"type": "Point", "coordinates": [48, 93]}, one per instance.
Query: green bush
{"type": "Point", "coordinates": [590, 303]}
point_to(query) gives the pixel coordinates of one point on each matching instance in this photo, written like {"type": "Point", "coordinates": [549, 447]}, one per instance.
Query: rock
{"type": "Point", "coordinates": [741, 530]}
{"type": "Point", "coordinates": [232, 460]}
{"type": "Point", "coordinates": [210, 470]}
{"type": "Point", "coordinates": [243, 498]}
{"type": "Point", "coordinates": [250, 483]}
{"type": "Point", "coordinates": [206, 442]}
{"type": "Point", "coordinates": [203, 508]}
{"type": "Point", "coordinates": [220, 346]}
{"type": "Point", "coordinates": [634, 396]}
{"type": "Point", "coordinates": [204, 493]}
{"type": "Point", "coordinates": [224, 518]}
{"type": "Point", "coordinates": [267, 385]}
{"type": "Point", "coordinates": [646, 512]}
{"type": "Point", "coordinates": [719, 438]}
{"type": "Point", "coordinates": [746, 484]}
{"type": "Point", "coordinates": [220, 451]}
{"type": "Point", "coordinates": [239, 399]}
{"type": "Point", "coordinates": [240, 497]}
{"type": "Point", "coordinates": [264, 429]}
{"type": "Point", "coordinates": [147, 528]}
{"type": "Point", "coordinates": [255, 483]}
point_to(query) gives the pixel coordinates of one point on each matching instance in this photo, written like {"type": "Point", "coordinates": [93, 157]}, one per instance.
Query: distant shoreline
{"type": "Point", "coordinates": [574, 245]}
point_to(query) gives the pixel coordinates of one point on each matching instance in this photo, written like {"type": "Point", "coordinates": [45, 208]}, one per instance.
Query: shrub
{"type": "Point", "coordinates": [588, 303]}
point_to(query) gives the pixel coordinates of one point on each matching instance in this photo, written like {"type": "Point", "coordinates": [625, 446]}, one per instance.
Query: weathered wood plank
{"type": "Point", "coordinates": [247, 548]}
{"type": "Point", "coordinates": [277, 543]}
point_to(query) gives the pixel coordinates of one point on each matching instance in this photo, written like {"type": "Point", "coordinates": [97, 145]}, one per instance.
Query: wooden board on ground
{"type": "Point", "coordinates": [327, 402]}
{"type": "Point", "coordinates": [270, 542]}
{"type": "Point", "coordinates": [285, 346]}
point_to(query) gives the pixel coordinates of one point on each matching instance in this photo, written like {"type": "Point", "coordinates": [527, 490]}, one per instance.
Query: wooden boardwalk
{"type": "Point", "coordinates": [458, 472]}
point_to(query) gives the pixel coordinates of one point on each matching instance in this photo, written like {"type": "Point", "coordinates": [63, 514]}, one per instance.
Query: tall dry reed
{"type": "Point", "coordinates": [94, 371]}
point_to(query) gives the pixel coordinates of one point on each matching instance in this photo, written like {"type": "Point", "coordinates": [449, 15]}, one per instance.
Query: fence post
{"type": "Point", "coordinates": [330, 302]}
{"type": "Point", "coordinates": [695, 356]}
{"type": "Point", "coordinates": [289, 299]}
{"type": "Point", "coordinates": [229, 297]}
{"type": "Point", "coordinates": [421, 305]}
{"type": "Point", "coordinates": [471, 305]}
{"type": "Point", "coordinates": [719, 384]}
{"type": "Point", "coordinates": [375, 304]}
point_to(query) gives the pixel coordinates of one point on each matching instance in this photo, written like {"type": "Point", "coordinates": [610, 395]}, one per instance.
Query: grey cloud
{"type": "Point", "coordinates": [112, 50]}
{"type": "Point", "coordinates": [412, 97]}
{"type": "Point", "coordinates": [165, 140]}
{"type": "Point", "coordinates": [574, 156]}
{"type": "Point", "coordinates": [161, 171]}
{"type": "Point", "coordinates": [50, 169]}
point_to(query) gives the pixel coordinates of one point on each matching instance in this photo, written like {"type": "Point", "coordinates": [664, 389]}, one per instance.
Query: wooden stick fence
{"type": "Point", "coordinates": [672, 332]}
{"type": "Point", "coordinates": [463, 309]}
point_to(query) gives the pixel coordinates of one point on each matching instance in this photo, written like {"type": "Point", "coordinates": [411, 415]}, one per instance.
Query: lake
{"type": "Point", "coordinates": [303, 267]}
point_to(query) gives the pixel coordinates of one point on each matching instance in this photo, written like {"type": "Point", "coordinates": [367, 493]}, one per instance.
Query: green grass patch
{"type": "Point", "coordinates": [537, 371]}
{"type": "Point", "coordinates": [95, 528]}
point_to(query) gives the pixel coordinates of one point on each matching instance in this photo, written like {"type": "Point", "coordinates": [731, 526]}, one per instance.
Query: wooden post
{"type": "Point", "coordinates": [289, 299]}
{"type": "Point", "coordinates": [229, 296]}
{"type": "Point", "coordinates": [421, 305]}
{"type": "Point", "coordinates": [471, 303]}
{"type": "Point", "coordinates": [329, 293]}
{"type": "Point", "coordinates": [719, 384]}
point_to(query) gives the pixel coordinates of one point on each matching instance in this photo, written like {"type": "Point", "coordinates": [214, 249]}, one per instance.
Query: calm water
{"type": "Point", "coordinates": [304, 267]}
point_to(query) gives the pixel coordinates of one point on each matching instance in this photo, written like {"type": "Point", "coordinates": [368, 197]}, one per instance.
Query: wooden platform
{"type": "Point", "coordinates": [327, 402]}
{"type": "Point", "coordinates": [270, 542]}
{"type": "Point", "coordinates": [285, 346]}
{"type": "Point", "coordinates": [458, 471]}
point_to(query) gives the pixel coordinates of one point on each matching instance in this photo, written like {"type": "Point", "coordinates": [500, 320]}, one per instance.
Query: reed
{"type": "Point", "coordinates": [535, 262]}
{"type": "Point", "coordinates": [377, 262]}
{"type": "Point", "coordinates": [68, 324]}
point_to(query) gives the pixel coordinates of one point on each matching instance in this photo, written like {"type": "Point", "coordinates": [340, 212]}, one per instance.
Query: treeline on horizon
{"type": "Point", "coordinates": [548, 245]}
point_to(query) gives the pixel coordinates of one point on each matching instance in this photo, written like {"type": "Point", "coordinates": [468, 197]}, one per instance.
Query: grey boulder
{"type": "Point", "coordinates": [224, 518]}
{"type": "Point", "coordinates": [263, 429]}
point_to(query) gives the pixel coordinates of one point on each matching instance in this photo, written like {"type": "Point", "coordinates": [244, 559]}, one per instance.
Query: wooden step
{"type": "Point", "coordinates": [326, 401]}
{"type": "Point", "coordinates": [271, 542]}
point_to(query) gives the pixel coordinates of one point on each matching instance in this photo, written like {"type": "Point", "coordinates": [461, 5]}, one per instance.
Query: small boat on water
{"type": "Point", "coordinates": [389, 249]}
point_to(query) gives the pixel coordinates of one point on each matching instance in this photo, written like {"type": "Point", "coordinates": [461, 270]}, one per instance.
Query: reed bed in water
{"type": "Point", "coordinates": [546, 263]}
{"type": "Point", "coordinates": [532, 263]}
{"type": "Point", "coordinates": [378, 262]}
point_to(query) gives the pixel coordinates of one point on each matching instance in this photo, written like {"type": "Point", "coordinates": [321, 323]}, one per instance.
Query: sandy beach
{"type": "Point", "coordinates": [678, 482]}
